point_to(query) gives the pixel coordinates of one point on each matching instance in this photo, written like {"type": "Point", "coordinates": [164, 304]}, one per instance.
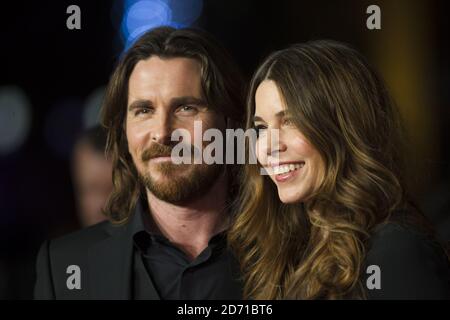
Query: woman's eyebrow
{"type": "Point", "coordinates": [279, 114]}
{"type": "Point", "coordinates": [257, 118]}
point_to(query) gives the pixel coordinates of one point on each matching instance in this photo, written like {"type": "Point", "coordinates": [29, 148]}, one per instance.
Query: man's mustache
{"type": "Point", "coordinates": [156, 150]}
{"type": "Point", "coordinates": [160, 150]}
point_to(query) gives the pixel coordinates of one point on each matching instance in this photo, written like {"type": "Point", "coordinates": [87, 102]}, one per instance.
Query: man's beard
{"type": "Point", "coordinates": [179, 183]}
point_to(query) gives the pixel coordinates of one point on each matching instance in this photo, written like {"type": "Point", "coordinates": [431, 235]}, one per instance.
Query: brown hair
{"type": "Point", "coordinates": [222, 85]}
{"type": "Point", "coordinates": [316, 249]}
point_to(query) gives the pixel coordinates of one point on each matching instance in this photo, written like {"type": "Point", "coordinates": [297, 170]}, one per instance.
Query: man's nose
{"type": "Point", "coordinates": [162, 129]}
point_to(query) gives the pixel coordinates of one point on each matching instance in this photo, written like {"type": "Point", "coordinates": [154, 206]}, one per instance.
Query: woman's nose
{"type": "Point", "coordinates": [275, 142]}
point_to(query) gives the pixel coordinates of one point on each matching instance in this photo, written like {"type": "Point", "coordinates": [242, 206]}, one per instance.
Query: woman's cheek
{"type": "Point", "coordinates": [260, 154]}
{"type": "Point", "coordinates": [301, 146]}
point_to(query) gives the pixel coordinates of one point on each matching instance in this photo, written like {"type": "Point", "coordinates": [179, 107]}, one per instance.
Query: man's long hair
{"type": "Point", "coordinates": [222, 85]}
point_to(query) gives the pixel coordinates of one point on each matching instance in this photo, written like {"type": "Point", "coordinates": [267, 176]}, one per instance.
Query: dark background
{"type": "Point", "coordinates": [58, 69]}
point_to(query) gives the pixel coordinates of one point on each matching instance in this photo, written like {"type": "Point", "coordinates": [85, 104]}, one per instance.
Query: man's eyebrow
{"type": "Point", "coordinates": [174, 102]}
{"type": "Point", "coordinates": [141, 103]}
{"type": "Point", "coordinates": [178, 101]}
{"type": "Point", "coordinates": [279, 114]}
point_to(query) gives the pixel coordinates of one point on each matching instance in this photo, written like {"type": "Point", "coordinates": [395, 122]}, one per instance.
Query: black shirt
{"type": "Point", "coordinates": [161, 266]}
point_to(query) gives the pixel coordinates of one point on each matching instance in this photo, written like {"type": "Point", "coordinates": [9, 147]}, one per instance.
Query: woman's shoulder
{"type": "Point", "coordinates": [410, 263]}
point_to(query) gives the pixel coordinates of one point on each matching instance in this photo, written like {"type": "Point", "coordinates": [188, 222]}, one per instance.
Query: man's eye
{"type": "Point", "coordinates": [142, 111]}
{"type": "Point", "coordinates": [188, 108]}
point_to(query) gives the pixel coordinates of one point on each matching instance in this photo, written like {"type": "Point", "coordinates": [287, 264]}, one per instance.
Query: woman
{"type": "Point", "coordinates": [332, 219]}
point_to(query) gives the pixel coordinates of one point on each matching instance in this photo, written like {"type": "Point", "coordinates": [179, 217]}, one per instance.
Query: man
{"type": "Point", "coordinates": [166, 234]}
{"type": "Point", "coordinates": [91, 173]}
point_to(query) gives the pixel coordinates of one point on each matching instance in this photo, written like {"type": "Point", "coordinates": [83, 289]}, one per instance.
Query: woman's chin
{"type": "Point", "coordinates": [290, 198]}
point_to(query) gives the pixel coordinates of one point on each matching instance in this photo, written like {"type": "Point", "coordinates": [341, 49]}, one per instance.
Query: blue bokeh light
{"type": "Point", "coordinates": [140, 16]}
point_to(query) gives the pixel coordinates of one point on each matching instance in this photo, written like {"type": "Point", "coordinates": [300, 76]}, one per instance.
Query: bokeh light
{"type": "Point", "coordinates": [140, 16]}
{"type": "Point", "coordinates": [92, 106]}
{"type": "Point", "coordinates": [63, 125]}
{"type": "Point", "coordinates": [15, 118]}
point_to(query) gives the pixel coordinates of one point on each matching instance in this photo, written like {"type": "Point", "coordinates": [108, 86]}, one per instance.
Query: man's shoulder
{"type": "Point", "coordinates": [72, 254]}
{"type": "Point", "coordinates": [82, 240]}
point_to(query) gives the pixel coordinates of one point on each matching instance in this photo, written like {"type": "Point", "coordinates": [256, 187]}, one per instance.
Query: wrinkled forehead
{"type": "Point", "coordinates": [165, 78]}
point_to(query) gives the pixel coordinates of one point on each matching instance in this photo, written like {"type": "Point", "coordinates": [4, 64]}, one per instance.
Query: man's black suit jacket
{"type": "Point", "coordinates": [412, 266]}
{"type": "Point", "coordinates": [103, 254]}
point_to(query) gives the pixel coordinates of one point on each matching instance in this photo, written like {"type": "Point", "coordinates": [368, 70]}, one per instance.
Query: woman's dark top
{"type": "Point", "coordinates": [410, 265]}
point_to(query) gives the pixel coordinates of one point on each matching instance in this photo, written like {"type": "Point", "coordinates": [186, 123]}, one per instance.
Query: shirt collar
{"type": "Point", "coordinates": [137, 223]}
{"type": "Point", "coordinates": [141, 221]}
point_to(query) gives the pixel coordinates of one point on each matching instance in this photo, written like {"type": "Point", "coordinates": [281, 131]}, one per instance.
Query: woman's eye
{"type": "Point", "coordinates": [287, 121]}
{"type": "Point", "coordinates": [260, 128]}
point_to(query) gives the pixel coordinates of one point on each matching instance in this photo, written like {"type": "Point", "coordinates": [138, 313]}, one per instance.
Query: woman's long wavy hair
{"type": "Point", "coordinates": [316, 249]}
{"type": "Point", "coordinates": [223, 88]}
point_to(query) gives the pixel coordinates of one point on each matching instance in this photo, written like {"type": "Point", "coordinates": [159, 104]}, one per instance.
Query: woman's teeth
{"type": "Point", "coordinates": [285, 168]}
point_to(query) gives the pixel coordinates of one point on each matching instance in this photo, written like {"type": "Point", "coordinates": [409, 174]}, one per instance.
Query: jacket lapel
{"type": "Point", "coordinates": [110, 264]}
{"type": "Point", "coordinates": [111, 267]}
